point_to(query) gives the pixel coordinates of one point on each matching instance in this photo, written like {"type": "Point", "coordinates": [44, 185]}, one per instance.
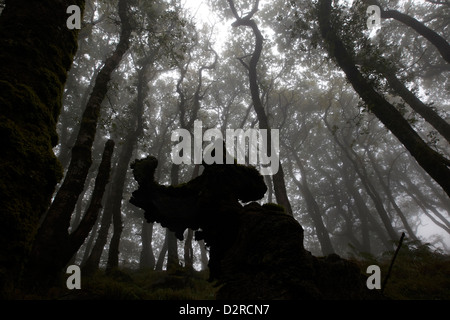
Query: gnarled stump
{"type": "Point", "coordinates": [256, 252]}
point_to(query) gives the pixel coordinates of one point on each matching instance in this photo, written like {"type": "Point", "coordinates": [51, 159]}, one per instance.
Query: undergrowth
{"type": "Point", "coordinates": [419, 272]}
{"type": "Point", "coordinates": [145, 285]}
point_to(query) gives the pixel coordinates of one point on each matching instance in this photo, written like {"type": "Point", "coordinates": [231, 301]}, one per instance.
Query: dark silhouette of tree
{"type": "Point", "coordinates": [52, 236]}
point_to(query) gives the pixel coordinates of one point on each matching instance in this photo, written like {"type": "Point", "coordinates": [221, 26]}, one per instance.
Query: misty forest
{"type": "Point", "coordinates": [354, 95]}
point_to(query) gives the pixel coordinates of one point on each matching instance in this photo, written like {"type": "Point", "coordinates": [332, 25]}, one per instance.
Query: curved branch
{"type": "Point", "coordinates": [435, 164]}
{"type": "Point", "coordinates": [439, 42]}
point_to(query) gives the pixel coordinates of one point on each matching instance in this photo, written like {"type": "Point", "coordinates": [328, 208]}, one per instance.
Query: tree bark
{"type": "Point", "coordinates": [435, 164]}
{"type": "Point", "coordinates": [53, 231]}
{"type": "Point", "coordinates": [36, 51]}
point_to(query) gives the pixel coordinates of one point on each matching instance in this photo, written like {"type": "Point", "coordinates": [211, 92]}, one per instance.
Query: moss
{"type": "Point", "coordinates": [36, 51]}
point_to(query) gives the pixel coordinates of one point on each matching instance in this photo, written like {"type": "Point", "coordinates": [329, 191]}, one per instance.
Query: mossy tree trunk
{"type": "Point", "coordinates": [52, 237]}
{"type": "Point", "coordinates": [36, 51]}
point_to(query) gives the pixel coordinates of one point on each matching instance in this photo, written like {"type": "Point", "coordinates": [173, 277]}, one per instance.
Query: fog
{"type": "Point", "coordinates": [353, 106]}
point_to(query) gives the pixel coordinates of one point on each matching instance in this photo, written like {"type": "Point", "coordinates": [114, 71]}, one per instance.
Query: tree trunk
{"type": "Point", "coordinates": [313, 208]}
{"type": "Point", "coordinates": [162, 254]}
{"type": "Point", "coordinates": [189, 251]}
{"type": "Point", "coordinates": [442, 126]}
{"type": "Point", "coordinates": [147, 258]}
{"type": "Point", "coordinates": [172, 242]}
{"type": "Point", "coordinates": [113, 252]}
{"type": "Point", "coordinates": [425, 203]}
{"type": "Point", "coordinates": [123, 165]}
{"type": "Point", "coordinates": [203, 255]}
{"type": "Point", "coordinates": [52, 234]}
{"type": "Point", "coordinates": [90, 242]}
{"type": "Point", "coordinates": [364, 244]}
{"type": "Point", "coordinates": [92, 263]}
{"type": "Point", "coordinates": [79, 235]}
{"type": "Point", "coordinates": [388, 193]}
{"type": "Point", "coordinates": [278, 177]}
{"type": "Point", "coordinates": [439, 42]}
{"type": "Point", "coordinates": [362, 174]}
{"type": "Point", "coordinates": [365, 217]}
{"type": "Point", "coordinates": [172, 250]}
{"type": "Point", "coordinates": [36, 51]}
{"type": "Point", "coordinates": [435, 164]}
{"type": "Point", "coordinates": [67, 144]}
{"type": "Point", "coordinates": [116, 198]}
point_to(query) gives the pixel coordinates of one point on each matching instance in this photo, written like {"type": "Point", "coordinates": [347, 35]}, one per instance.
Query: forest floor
{"type": "Point", "coordinates": [147, 284]}
{"type": "Point", "coordinates": [418, 274]}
